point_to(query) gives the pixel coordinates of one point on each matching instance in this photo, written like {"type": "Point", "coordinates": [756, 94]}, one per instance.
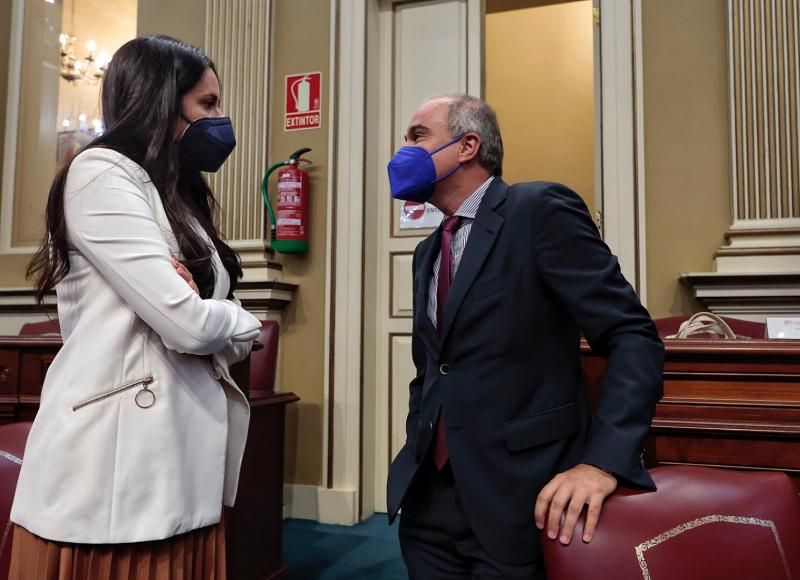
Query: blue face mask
{"type": "Point", "coordinates": [412, 174]}
{"type": "Point", "coordinates": [206, 143]}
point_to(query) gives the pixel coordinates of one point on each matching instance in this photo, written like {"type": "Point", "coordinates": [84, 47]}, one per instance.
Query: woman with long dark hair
{"type": "Point", "coordinates": [140, 432]}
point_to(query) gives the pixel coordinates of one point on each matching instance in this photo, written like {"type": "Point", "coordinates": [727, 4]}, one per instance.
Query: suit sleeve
{"type": "Point", "coordinates": [581, 271]}
{"type": "Point", "coordinates": [110, 222]}
{"type": "Point", "coordinates": [418, 355]}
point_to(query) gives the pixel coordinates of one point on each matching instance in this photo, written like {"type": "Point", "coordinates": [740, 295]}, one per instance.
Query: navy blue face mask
{"type": "Point", "coordinates": [412, 174]}
{"type": "Point", "coordinates": [206, 143]}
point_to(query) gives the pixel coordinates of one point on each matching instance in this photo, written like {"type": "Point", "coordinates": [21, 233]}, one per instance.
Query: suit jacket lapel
{"type": "Point", "coordinates": [485, 229]}
{"type": "Point", "coordinates": [428, 251]}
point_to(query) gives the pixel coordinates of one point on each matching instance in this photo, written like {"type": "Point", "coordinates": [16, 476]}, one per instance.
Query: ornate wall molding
{"type": "Point", "coordinates": [749, 296]}
{"type": "Point", "coordinates": [764, 96]}
{"type": "Point", "coordinates": [237, 38]}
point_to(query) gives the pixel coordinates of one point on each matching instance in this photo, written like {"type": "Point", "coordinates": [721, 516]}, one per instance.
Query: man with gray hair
{"type": "Point", "coordinates": [500, 440]}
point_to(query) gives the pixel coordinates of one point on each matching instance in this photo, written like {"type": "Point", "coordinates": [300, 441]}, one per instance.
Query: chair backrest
{"type": "Point", "coordinates": [44, 327]}
{"type": "Point", "coordinates": [702, 523]}
{"type": "Point", "coordinates": [12, 447]}
{"type": "Point", "coordinates": [746, 328]}
{"type": "Point", "coordinates": [264, 362]}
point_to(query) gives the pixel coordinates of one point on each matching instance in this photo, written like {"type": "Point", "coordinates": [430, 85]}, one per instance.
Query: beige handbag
{"type": "Point", "coordinates": [705, 325]}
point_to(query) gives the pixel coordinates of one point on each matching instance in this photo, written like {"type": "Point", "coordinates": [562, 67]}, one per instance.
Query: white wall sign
{"type": "Point", "coordinates": [415, 216]}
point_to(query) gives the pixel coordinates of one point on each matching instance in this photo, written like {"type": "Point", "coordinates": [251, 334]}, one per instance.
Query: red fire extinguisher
{"type": "Point", "coordinates": [290, 221]}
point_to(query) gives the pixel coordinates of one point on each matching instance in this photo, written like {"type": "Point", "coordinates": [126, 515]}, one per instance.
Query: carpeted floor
{"type": "Point", "coordinates": [367, 551]}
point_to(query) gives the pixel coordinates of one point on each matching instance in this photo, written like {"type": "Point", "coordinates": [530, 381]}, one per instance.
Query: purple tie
{"type": "Point", "coordinates": [449, 228]}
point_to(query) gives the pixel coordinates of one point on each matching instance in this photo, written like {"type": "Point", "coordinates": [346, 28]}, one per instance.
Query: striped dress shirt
{"type": "Point", "coordinates": [467, 212]}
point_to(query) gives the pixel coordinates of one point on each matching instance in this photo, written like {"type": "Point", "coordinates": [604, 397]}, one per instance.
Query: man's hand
{"type": "Point", "coordinates": [570, 491]}
{"type": "Point", "coordinates": [184, 273]}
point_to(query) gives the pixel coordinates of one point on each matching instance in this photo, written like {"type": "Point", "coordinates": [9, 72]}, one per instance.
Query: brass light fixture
{"type": "Point", "coordinates": [88, 70]}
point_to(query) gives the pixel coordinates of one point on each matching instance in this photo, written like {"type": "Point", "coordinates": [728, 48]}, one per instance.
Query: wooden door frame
{"type": "Point", "coordinates": [621, 136]}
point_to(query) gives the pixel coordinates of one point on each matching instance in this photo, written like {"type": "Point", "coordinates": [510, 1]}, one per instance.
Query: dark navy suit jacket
{"type": "Point", "coordinates": [506, 372]}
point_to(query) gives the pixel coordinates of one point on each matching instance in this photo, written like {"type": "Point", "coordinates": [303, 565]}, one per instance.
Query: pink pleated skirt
{"type": "Point", "coordinates": [195, 555]}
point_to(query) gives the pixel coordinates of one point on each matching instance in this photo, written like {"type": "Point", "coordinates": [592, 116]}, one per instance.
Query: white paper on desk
{"type": "Point", "coordinates": [783, 327]}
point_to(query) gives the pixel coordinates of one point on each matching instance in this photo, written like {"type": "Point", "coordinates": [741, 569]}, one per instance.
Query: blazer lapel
{"type": "Point", "coordinates": [485, 229]}
{"type": "Point", "coordinates": [429, 249]}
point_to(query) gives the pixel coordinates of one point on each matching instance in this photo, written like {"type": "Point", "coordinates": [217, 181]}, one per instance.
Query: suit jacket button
{"type": "Point", "coordinates": [431, 425]}
{"type": "Point", "coordinates": [444, 369]}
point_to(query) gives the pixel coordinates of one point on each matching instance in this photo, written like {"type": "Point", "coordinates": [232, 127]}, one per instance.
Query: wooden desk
{"type": "Point", "coordinates": [254, 529]}
{"type": "Point", "coordinates": [726, 403]}
{"type": "Point", "coordinates": [24, 361]}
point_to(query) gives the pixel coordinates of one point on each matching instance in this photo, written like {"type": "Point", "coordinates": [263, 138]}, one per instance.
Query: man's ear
{"type": "Point", "coordinates": [469, 147]}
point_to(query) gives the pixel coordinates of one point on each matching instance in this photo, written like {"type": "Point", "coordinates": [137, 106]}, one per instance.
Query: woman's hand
{"type": "Point", "coordinates": [184, 273]}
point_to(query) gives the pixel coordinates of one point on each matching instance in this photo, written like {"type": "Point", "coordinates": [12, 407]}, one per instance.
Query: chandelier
{"type": "Point", "coordinates": [87, 70]}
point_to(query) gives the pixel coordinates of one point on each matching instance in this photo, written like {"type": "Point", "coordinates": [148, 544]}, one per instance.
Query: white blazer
{"type": "Point", "coordinates": [136, 439]}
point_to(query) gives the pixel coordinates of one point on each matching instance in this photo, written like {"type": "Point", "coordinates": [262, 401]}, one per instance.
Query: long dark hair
{"type": "Point", "coordinates": [141, 98]}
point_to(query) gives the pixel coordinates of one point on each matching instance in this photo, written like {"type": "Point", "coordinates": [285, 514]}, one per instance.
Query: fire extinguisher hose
{"type": "Point", "coordinates": [264, 194]}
